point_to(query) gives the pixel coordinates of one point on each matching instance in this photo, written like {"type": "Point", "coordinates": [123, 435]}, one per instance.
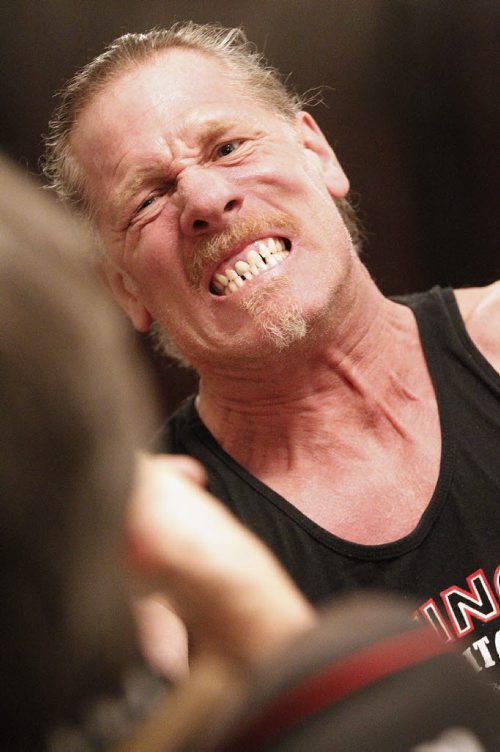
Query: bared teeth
{"type": "Point", "coordinates": [256, 259]}
{"type": "Point", "coordinates": [222, 279]}
{"type": "Point", "coordinates": [263, 255]}
{"type": "Point", "coordinates": [265, 249]}
{"type": "Point", "coordinates": [241, 267]}
{"type": "Point", "coordinates": [234, 279]}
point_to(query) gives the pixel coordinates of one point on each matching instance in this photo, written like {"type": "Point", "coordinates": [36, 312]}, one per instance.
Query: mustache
{"type": "Point", "coordinates": [214, 247]}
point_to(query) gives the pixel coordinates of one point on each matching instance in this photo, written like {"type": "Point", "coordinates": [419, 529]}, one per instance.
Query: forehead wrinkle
{"type": "Point", "coordinates": [197, 128]}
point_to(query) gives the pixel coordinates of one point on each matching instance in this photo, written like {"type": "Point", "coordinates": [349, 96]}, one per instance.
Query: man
{"type": "Point", "coordinates": [358, 436]}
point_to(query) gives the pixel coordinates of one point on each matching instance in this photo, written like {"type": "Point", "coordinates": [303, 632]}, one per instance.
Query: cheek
{"type": "Point", "coordinates": [274, 167]}
{"type": "Point", "coordinates": [294, 181]}
{"type": "Point", "coordinates": [155, 259]}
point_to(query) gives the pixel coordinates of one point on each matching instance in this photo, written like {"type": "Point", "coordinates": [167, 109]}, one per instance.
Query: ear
{"type": "Point", "coordinates": [125, 293]}
{"type": "Point", "coordinates": [320, 151]}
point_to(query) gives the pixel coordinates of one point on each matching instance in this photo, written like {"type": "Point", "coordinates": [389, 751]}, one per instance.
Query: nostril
{"type": "Point", "coordinates": [230, 205]}
{"type": "Point", "coordinates": [199, 224]}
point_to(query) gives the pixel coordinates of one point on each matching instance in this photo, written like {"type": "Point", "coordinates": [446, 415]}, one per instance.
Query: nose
{"type": "Point", "coordinates": [210, 200]}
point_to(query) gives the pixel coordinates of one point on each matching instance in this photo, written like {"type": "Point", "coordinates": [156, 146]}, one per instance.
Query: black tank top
{"type": "Point", "coordinates": [450, 563]}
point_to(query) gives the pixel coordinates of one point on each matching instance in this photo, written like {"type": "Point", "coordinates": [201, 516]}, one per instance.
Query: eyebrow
{"type": "Point", "coordinates": [212, 129]}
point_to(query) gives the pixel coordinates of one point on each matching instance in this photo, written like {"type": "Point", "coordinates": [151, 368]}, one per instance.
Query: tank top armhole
{"type": "Point", "coordinates": [427, 306]}
{"type": "Point", "coordinates": [450, 301]}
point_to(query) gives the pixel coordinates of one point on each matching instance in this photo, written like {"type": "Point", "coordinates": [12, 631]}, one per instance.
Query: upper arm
{"type": "Point", "coordinates": [480, 309]}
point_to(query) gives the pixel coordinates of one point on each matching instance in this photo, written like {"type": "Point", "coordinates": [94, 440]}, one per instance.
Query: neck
{"type": "Point", "coordinates": [353, 374]}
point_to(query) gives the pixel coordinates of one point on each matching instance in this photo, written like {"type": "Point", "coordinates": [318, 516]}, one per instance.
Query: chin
{"type": "Point", "coordinates": [276, 314]}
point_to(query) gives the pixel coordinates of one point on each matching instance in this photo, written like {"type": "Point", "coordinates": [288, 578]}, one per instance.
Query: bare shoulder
{"type": "Point", "coordinates": [480, 309]}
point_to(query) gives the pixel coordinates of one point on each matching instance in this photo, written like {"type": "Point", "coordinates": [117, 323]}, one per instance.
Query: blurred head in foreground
{"type": "Point", "coordinates": [73, 409]}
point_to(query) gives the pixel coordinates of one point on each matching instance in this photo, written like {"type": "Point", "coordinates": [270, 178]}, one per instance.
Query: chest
{"type": "Point", "coordinates": [377, 496]}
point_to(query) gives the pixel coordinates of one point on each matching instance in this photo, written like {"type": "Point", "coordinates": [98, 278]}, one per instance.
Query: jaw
{"type": "Point", "coordinates": [234, 317]}
{"type": "Point", "coordinates": [251, 330]}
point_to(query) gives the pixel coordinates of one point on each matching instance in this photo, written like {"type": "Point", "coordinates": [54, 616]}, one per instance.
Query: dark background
{"type": "Point", "coordinates": [411, 105]}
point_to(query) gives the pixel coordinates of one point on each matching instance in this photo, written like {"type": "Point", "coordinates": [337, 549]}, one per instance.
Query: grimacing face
{"type": "Point", "coordinates": [216, 214]}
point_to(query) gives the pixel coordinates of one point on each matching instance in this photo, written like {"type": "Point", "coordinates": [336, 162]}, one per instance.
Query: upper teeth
{"type": "Point", "coordinates": [263, 254]}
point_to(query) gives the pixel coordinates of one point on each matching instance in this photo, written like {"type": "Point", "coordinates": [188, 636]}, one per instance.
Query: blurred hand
{"type": "Point", "coordinates": [162, 636]}
{"type": "Point", "coordinates": [227, 587]}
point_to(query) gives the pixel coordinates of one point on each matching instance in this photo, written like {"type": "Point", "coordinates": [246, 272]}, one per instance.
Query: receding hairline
{"type": "Point", "coordinates": [207, 130]}
{"type": "Point", "coordinates": [229, 46]}
{"type": "Point", "coordinates": [151, 58]}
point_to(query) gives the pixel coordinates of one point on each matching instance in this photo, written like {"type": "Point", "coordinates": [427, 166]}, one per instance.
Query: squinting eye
{"type": "Point", "coordinates": [142, 207]}
{"type": "Point", "coordinates": [163, 190]}
{"type": "Point", "coordinates": [228, 148]}
{"type": "Point", "coordinates": [147, 202]}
